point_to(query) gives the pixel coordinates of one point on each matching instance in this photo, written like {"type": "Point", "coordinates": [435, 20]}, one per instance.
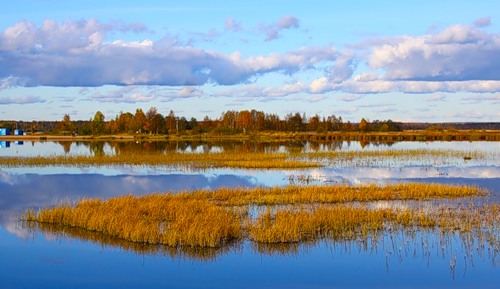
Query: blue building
{"type": "Point", "coordinates": [4, 131]}
{"type": "Point", "coordinates": [18, 132]}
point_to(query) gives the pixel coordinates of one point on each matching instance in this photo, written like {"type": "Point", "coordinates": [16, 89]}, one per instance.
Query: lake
{"type": "Point", "coordinates": [32, 259]}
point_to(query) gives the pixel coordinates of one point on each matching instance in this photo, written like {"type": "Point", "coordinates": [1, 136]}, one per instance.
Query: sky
{"type": "Point", "coordinates": [410, 61]}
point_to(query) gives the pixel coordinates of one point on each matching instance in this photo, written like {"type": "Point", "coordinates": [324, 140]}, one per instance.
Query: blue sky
{"type": "Point", "coordinates": [422, 61]}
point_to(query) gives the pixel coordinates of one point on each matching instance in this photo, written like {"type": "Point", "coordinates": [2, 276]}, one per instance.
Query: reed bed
{"type": "Point", "coordinates": [401, 153]}
{"type": "Point", "coordinates": [254, 160]}
{"type": "Point", "coordinates": [399, 157]}
{"type": "Point", "coordinates": [350, 223]}
{"type": "Point", "coordinates": [212, 219]}
{"type": "Point", "coordinates": [152, 219]}
{"type": "Point", "coordinates": [296, 194]}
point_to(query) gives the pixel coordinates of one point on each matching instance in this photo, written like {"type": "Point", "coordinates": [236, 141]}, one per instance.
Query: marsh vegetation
{"type": "Point", "coordinates": [213, 219]}
{"type": "Point", "coordinates": [256, 160]}
{"type": "Point", "coordinates": [275, 202]}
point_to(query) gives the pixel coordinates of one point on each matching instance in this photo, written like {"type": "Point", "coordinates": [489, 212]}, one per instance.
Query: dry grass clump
{"type": "Point", "coordinates": [153, 219]}
{"type": "Point", "coordinates": [294, 194]}
{"type": "Point", "coordinates": [338, 223]}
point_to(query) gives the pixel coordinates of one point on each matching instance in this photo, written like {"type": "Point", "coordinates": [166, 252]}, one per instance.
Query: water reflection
{"type": "Point", "coordinates": [57, 233]}
{"type": "Point", "coordinates": [389, 259]}
{"type": "Point", "coordinates": [126, 147]}
{"type": "Point", "coordinates": [394, 246]}
{"type": "Point", "coordinates": [19, 192]}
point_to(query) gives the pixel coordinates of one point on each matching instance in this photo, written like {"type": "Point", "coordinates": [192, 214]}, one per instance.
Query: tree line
{"type": "Point", "coordinates": [230, 122]}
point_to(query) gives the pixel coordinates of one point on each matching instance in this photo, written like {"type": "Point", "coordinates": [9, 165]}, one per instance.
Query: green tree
{"type": "Point", "coordinates": [384, 127]}
{"type": "Point", "coordinates": [98, 123]}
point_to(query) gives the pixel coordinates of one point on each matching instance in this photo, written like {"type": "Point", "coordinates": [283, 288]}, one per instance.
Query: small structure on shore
{"type": "Point", "coordinates": [4, 131]}
{"type": "Point", "coordinates": [18, 132]}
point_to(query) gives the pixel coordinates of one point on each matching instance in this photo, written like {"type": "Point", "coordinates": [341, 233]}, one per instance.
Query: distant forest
{"type": "Point", "coordinates": [230, 122]}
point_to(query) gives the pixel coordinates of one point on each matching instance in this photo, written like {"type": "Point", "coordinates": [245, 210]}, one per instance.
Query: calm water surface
{"type": "Point", "coordinates": [421, 260]}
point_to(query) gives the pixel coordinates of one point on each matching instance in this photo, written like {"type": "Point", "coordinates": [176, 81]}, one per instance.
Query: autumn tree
{"type": "Point", "coordinates": [139, 121]}
{"type": "Point", "coordinates": [244, 120]}
{"type": "Point", "coordinates": [125, 122]}
{"type": "Point", "coordinates": [229, 119]}
{"type": "Point", "coordinates": [66, 125]}
{"type": "Point", "coordinates": [155, 123]}
{"type": "Point", "coordinates": [259, 120]}
{"type": "Point", "coordinates": [295, 122]}
{"type": "Point", "coordinates": [171, 122]}
{"type": "Point", "coordinates": [363, 125]}
{"type": "Point", "coordinates": [314, 123]}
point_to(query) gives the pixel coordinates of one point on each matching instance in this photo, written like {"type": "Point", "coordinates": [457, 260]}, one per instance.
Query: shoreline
{"type": "Point", "coordinates": [418, 135]}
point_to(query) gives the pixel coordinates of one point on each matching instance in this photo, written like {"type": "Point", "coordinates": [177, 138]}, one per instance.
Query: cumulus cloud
{"type": "Point", "coordinates": [273, 30]}
{"type": "Point", "coordinates": [458, 53]}
{"type": "Point", "coordinates": [77, 54]}
{"type": "Point", "coordinates": [459, 58]}
{"type": "Point", "coordinates": [342, 69]}
{"type": "Point", "coordinates": [320, 85]}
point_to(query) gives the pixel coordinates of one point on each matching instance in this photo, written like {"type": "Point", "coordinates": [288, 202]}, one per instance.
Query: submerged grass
{"type": "Point", "coordinates": [212, 219]}
{"type": "Point", "coordinates": [398, 157]}
{"type": "Point", "coordinates": [348, 223]}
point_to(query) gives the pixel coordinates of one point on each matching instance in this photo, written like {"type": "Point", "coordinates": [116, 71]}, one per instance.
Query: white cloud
{"type": "Point", "coordinates": [482, 22]}
{"type": "Point", "coordinates": [273, 30]}
{"type": "Point", "coordinates": [342, 69]}
{"type": "Point", "coordinates": [138, 94]}
{"type": "Point", "coordinates": [437, 97]}
{"type": "Point", "coordinates": [458, 53]}
{"type": "Point", "coordinates": [9, 82]}
{"type": "Point", "coordinates": [186, 92]}
{"type": "Point", "coordinates": [127, 94]}
{"type": "Point", "coordinates": [232, 25]}
{"type": "Point", "coordinates": [477, 115]}
{"type": "Point", "coordinates": [20, 100]}
{"type": "Point", "coordinates": [320, 85]}
{"type": "Point", "coordinates": [76, 54]}
{"type": "Point", "coordinates": [493, 98]}
{"type": "Point", "coordinates": [350, 98]}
